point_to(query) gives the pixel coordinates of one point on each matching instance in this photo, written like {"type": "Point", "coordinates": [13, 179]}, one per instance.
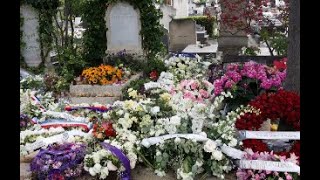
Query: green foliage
{"type": "Point", "coordinates": [251, 51]}
{"type": "Point", "coordinates": [70, 63]}
{"type": "Point", "coordinates": [277, 40]}
{"type": "Point", "coordinates": [206, 21]}
{"type": "Point", "coordinates": [154, 64]}
{"type": "Point", "coordinates": [133, 62]}
{"type": "Point", "coordinates": [94, 38]}
{"type": "Point", "coordinates": [136, 85]}
{"type": "Point", "coordinates": [93, 14]}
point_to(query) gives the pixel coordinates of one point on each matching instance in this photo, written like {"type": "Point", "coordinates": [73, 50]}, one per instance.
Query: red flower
{"type": "Point", "coordinates": [154, 75]}
{"type": "Point", "coordinates": [67, 108]}
{"type": "Point", "coordinates": [283, 105]}
{"type": "Point", "coordinates": [108, 129]}
{"type": "Point", "coordinates": [280, 65]}
{"type": "Point", "coordinates": [57, 177]}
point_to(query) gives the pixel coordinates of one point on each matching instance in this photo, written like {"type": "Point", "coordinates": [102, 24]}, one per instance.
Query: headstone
{"type": "Point", "coordinates": [168, 12]}
{"type": "Point", "coordinates": [231, 40]}
{"type": "Point", "coordinates": [31, 52]}
{"type": "Point", "coordinates": [123, 24]}
{"type": "Point", "coordinates": [182, 7]}
{"type": "Point", "coordinates": [182, 32]}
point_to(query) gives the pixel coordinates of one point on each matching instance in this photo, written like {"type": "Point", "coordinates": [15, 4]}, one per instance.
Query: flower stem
{"type": "Point", "coordinates": [204, 176]}
{"type": "Point", "coordinates": [144, 159]}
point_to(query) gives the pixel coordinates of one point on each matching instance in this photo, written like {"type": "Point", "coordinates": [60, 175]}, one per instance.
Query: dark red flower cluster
{"type": "Point", "coordinates": [283, 105]}
{"type": "Point", "coordinates": [103, 131]}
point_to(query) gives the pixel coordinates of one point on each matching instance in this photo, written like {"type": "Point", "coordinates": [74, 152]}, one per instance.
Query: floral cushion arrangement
{"type": "Point", "coordinates": [63, 161]}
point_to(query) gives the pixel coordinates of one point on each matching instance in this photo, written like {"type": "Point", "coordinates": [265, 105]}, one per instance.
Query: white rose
{"type": "Point", "coordinates": [210, 146]}
{"type": "Point", "coordinates": [97, 168]}
{"type": "Point", "coordinates": [92, 172]}
{"type": "Point", "coordinates": [105, 115]}
{"type": "Point", "coordinates": [217, 155]}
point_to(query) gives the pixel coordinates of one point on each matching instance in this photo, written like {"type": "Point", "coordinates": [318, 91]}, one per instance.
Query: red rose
{"type": "Point", "coordinates": [154, 75]}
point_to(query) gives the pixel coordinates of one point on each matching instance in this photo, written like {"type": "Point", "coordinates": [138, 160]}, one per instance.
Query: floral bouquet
{"type": "Point", "coordinates": [248, 81]}
{"type": "Point", "coordinates": [102, 75]}
{"type": "Point", "coordinates": [32, 82]}
{"type": "Point", "coordinates": [64, 161]}
{"type": "Point", "coordinates": [246, 174]}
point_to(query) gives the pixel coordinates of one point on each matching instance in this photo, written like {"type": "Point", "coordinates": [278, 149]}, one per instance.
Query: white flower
{"type": "Point", "coordinates": [217, 155]}
{"type": "Point", "coordinates": [160, 173]}
{"type": "Point", "coordinates": [92, 172]}
{"type": "Point", "coordinates": [105, 115]}
{"type": "Point", "coordinates": [175, 120]}
{"type": "Point", "coordinates": [96, 158]}
{"type": "Point", "coordinates": [133, 93]}
{"type": "Point", "coordinates": [104, 173]}
{"type": "Point", "coordinates": [233, 142]}
{"type": "Point", "coordinates": [177, 140]}
{"type": "Point", "coordinates": [97, 168]}
{"type": "Point", "coordinates": [111, 167]}
{"type": "Point", "coordinates": [210, 146]}
{"type": "Point", "coordinates": [155, 110]}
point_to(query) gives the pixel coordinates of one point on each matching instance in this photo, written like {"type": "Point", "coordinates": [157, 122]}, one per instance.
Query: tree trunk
{"type": "Point", "coordinates": [292, 82]}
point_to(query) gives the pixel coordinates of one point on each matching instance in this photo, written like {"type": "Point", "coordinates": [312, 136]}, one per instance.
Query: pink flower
{"type": "Point", "coordinates": [194, 85]}
{"type": "Point", "coordinates": [257, 177]}
{"type": "Point", "coordinates": [288, 177]}
{"type": "Point", "coordinates": [229, 84]}
{"type": "Point", "coordinates": [262, 176]}
{"type": "Point", "coordinates": [199, 99]}
{"type": "Point", "coordinates": [204, 93]}
{"type": "Point", "coordinates": [189, 95]}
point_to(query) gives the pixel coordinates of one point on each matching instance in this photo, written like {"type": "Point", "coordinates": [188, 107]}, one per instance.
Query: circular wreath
{"type": "Point", "coordinates": [283, 105]}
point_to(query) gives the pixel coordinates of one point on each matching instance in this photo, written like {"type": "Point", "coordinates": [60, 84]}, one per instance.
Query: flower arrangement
{"type": "Point", "coordinates": [246, 174]}
{"type": "Point", "coordinates": [183, 67]}
{"type": "Point", "coordinates": [30, 136]}
{"type": "Point", "coordinates": [103, 74]}
{"type": "Point", "coordinates": [283, 105]}
{"type": "Point", "coordinates": [32, 82]}
{"type": "Point", "coordinates": [249, 80]}
{"type": "Point", "coordinates": [62, 161]}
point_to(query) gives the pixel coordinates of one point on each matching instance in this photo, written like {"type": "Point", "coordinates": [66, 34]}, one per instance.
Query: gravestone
{"type": "Point", "coordinates": [168, 13]}
{"type": "Point", "coordinates": [123, 24]}
{"type": "Point", "coordinates": [182, 32]}
{"type": "Point", "coordinates": [31, 51]}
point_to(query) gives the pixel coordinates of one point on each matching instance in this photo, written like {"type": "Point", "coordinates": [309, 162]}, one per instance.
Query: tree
{"type": "Point", "coordinates": [292, 82]}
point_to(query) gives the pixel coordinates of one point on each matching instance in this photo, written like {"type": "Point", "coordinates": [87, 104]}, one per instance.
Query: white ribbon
{"type": "Point", "coordinates": [231, 152]}
{"type": "Point", "coordinates": [294, 135]}
{"type": "Point", "coordinates": [66, 116]}
{"type": "Point", "coordinates": [269, 166]}
{"type": "Point", "coordinates": [154, 140]}
{"type": "Point", "coordinates": [54, 139]}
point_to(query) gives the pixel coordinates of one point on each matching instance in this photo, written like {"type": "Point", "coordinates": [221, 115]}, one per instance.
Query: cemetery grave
{"type": "Point", "coordinates": [135, 95]}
